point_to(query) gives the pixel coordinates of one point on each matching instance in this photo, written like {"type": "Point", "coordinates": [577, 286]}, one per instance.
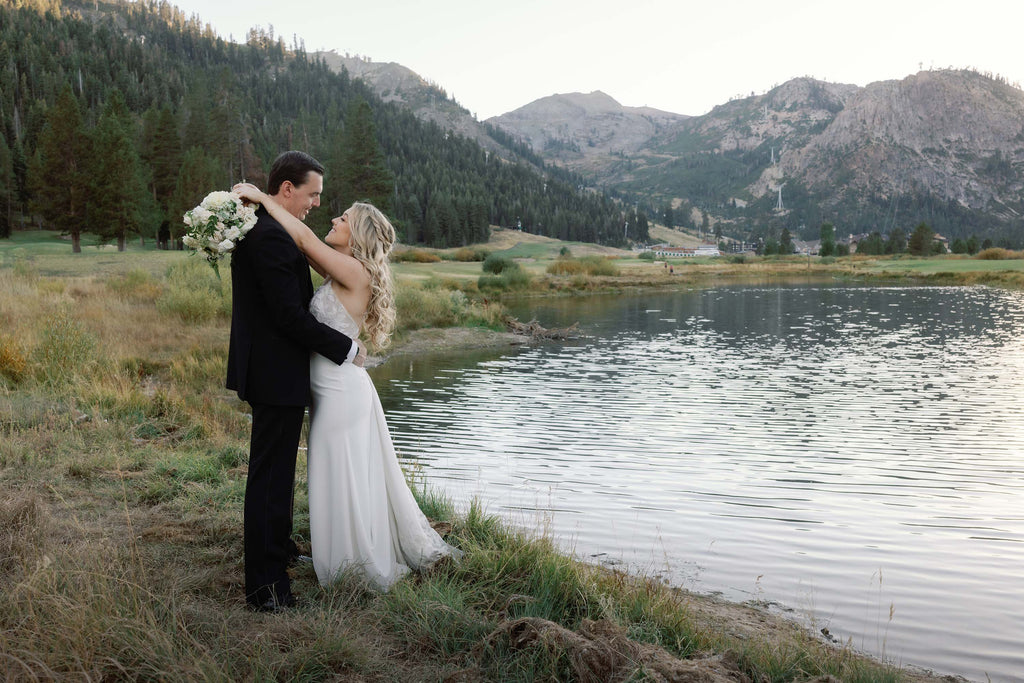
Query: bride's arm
{"type": "Point", "coordinates": [324, 259]}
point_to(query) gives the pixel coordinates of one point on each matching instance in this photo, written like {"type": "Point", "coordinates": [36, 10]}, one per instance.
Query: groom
{"type": "Point", "coordinates": [272, 335]}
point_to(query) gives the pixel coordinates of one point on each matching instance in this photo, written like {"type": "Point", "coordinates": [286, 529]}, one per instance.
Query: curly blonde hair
{"type": "Point", "coordinates": [372, 237]}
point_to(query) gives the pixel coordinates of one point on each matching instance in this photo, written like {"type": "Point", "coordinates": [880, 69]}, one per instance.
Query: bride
{"type": "Point", "coordinates": [362, 515]}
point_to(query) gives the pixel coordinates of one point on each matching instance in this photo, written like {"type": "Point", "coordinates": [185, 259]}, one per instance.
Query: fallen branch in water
{"type": "Point", "coordinates": [533, 330]}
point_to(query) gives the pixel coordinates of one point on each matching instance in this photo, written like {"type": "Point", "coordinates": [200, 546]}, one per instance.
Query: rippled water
{"type": "Point", "coordinates": [854, 454]}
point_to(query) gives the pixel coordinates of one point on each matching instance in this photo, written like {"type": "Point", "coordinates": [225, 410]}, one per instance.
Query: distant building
{"type": "Point", "coordinates": [685, 252]}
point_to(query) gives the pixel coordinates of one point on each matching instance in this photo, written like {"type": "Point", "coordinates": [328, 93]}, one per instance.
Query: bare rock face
{"type": "Point", "coordinates": [574, 127]}
{"type": "Point", "coordinates": [956, 133]}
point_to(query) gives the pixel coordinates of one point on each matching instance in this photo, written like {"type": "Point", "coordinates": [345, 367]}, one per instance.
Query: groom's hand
{"type": "Point", "coordinates": [360, 358]}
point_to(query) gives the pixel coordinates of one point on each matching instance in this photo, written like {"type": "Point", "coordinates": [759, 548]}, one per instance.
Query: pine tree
{"type": "Point", "coordinates": [6, 189]}
{"type": "Point", "coordinates": [828, 240]}
{"type": "Point", "coordinates": [162, 152]}
{"type": "Point", "coordinates": [199, 175]}
{"type": "Point", "coordinates": [920, 241]}
{"type": "Point", "coordinates": [363, 174]}
{"type": "Point", "coordinates": [58, 173]}
{"type": "Point", "coordinates": [786, 242]}
{"type": "Point", "coordinates": [118, 197]}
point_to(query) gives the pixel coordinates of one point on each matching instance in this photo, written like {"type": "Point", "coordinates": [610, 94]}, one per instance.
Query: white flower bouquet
{"type": "Point", "coordinates": [217, 225]}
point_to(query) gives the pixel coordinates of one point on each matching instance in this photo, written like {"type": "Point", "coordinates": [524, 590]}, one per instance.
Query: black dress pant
{"type": "Point", "coordinates": [269, 491]}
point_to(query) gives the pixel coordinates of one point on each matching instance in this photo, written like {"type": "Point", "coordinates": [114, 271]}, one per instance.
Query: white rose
{"type": "Point", "coordinates": [220, 200]}
{"type": "Point", "coordinates": [232, 233]}
{"type": "Point", "coordinates": [226, 245]}
{"type": "Point", "coordinates": [200, 216]}
{"type": "Point", "coordinates": [188, 219]}
{"type": "Point", "coordinates": [190, 241]}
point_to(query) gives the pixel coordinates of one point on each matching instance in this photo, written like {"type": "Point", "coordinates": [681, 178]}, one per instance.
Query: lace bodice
{"type": "Point", "coordinates": [326, 308]}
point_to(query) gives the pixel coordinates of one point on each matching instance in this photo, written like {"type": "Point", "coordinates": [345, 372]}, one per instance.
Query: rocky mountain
{"type": "Point", "coordinates": [956, 134]}
{"type": "Point", "coordinates": [943, 147]}
{"type": "Point", "coordinates": [584, 131]}
{"type": "Point", "coordinates": [428, 101]}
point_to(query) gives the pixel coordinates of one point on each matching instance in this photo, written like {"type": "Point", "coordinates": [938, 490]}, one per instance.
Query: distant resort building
{"type": "Point", "coordinates": [684, 252]}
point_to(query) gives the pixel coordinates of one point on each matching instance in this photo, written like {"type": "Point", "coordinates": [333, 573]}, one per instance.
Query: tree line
{"type": "Point", "coordinates": [116, 117]}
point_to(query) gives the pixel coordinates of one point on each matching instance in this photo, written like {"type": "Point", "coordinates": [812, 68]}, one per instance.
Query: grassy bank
{"type": "Point", "coordinates": [123, 461]}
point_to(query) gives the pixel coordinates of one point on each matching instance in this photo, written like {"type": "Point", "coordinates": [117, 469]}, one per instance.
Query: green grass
{"type": "Point", "coordinates": [47, 253]}
{"type": "Point", "coordinates": [939, 264]}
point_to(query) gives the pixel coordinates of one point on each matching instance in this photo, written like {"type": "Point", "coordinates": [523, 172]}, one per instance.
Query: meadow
{"type": "Point", "coordinates": [123, 462]}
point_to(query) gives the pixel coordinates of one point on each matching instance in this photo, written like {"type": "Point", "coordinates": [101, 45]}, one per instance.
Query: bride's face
{"type": "Point", "coordinates": [340, 234]}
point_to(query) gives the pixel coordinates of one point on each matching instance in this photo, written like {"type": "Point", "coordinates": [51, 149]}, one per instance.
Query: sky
{"type": "Point", "coordinates": [676, 55]}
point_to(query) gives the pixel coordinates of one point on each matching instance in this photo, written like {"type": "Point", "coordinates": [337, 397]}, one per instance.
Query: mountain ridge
{"type": "Point", "coordinates": [939, 146]}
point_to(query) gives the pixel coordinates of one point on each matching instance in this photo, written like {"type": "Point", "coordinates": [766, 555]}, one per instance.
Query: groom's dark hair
{"type": "Point", "coordinates": [292, 166]}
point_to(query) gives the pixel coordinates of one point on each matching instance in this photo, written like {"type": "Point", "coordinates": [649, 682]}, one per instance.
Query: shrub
{"type": "Point", "coordinates": [646, 255]}
{"type": "Point", "coordinates": [510, 278]}
{"type": "Point", "coordinates": [467, 254]}
{"type": "Point", "coordinates": [498, 264]}
{"type": "Point", "coordinates": [997, 254]}
{"type": "Point", "coordinates": [599, 265]}
{"type": "Point", "coordinates": [414, 256]}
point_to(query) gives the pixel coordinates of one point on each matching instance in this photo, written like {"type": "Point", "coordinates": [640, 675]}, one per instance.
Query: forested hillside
{"type": "Point", "coordinates": [117, 116]}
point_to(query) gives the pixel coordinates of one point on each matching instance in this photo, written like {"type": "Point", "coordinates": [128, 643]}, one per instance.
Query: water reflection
{"type": "Point", "coordinates": [837, 449]}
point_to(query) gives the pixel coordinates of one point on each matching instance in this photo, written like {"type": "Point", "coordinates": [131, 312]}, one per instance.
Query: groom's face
{"type": "Point", "coordinates": [299, 199]}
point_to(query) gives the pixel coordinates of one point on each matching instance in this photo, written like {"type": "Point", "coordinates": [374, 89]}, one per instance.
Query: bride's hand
{"type": "Point", "coordinates": [249, 192]}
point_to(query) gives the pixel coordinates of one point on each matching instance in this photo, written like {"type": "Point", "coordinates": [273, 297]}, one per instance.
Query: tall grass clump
{"type": "Point", "coordinates": [194, 293]}
{"type": "Point", "coordinates": [585, 265]}
{"type": "Point", "coordinates": [433, 305]}
{"type": "Point", "coordinates": [13, 359]}
{"type": "Point", "coordinates": [65, 350]}
{"type": "Point", "coordinates": [136, 284]}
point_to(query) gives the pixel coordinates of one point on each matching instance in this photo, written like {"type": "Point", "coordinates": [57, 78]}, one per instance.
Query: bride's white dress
{"type": "Point", "coordinates": [362, 515]}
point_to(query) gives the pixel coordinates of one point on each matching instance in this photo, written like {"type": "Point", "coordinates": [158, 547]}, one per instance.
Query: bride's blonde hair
{"type": "Point", "coordinates": [372, 237]}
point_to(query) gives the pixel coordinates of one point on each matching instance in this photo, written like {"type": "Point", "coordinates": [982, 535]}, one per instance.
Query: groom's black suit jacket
{"type": "Point", "coordinates": [272, 330]}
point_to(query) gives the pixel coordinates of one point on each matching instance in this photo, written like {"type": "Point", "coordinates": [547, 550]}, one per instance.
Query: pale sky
{"type": "Point", "coordinates": [675, 55]}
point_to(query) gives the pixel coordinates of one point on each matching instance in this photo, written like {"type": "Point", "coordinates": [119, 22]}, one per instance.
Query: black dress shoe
{"type": "Point", "coordinates": [275, 605]}
{"type": "Point", "coordinates": [296, 560]}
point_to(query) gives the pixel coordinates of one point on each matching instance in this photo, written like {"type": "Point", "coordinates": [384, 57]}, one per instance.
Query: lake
{"type": "Point", "coordinates": [851, 455]}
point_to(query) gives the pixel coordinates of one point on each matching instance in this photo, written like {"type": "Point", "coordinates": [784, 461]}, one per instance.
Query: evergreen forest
{"type": "Point", "coordinates": [116, 117]}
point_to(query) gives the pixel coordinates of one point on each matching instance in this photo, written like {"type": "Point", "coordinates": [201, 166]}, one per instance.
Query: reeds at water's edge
{"type": "Point", "coordinates": [122, 460]}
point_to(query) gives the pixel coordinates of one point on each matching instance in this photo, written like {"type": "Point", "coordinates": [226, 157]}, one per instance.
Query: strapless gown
{"type": "Point", "coordinates": [362, 515]}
